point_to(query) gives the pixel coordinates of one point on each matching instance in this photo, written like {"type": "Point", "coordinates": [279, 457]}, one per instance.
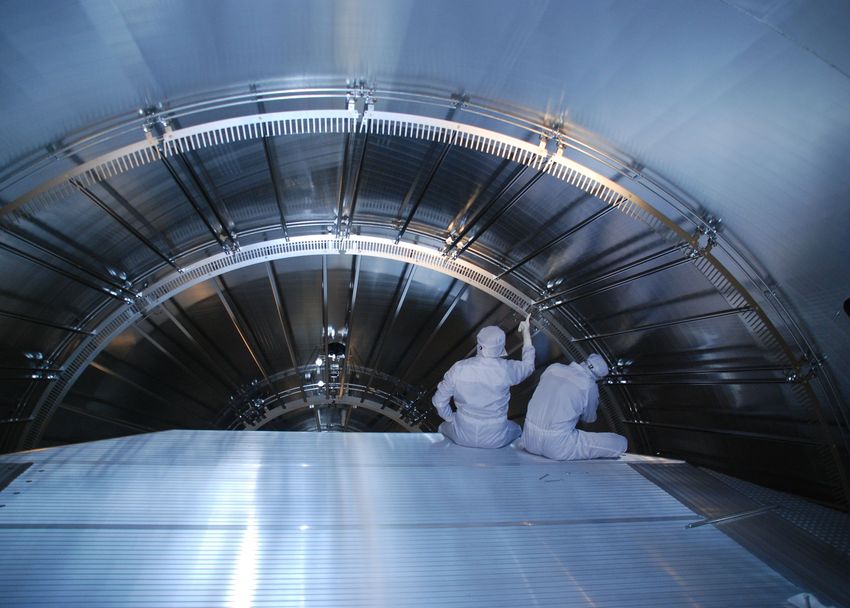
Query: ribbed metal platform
{"type": "Point", "coordinates": [207, 518]}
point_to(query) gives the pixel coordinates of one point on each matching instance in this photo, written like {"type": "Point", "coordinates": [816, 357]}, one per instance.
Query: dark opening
{"type": "Point", "coordinates": [847, 307]}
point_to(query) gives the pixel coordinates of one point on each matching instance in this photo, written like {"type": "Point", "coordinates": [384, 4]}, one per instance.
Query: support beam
{"type": "Point", "coordinates": [179, 362]}
{"type": "Point", "coordinates": [245, 334]}
{"type": "Point", "coordinates": [353, 285]}
{"type": "Point", "coordinates": [437, 327]}
{"type": "Point", "coordinates": [611, 273]}
{"type": "Point", "coordinates": [431, 174]}
{"type": "Point", "coordinates": [61, 271]}
{"type": "Point", "coordinates": [285, 327]}
{"type": "Point", "coordinates": [514, 177]}
{"type": "Point", "coordinates": [114, 421]}
{"type": "Point", "coordinates": [561, 237]}
{"type": "Point", "coordinates": [663, 324]}
{"type": "Point", "coordinates": [196, 181]}
{"type": "Point", "coordinates": [68, 261]}
{"type": "Point", "coordinates": [191, 198]}
{"type": "Point", "coordinates": [615, 284]}
{"type": "Point", "coordinates": [716, 431]}
{"type": "Point", "coordinates": [387, 327]}
{"type": "Point", "coordinates": [501, 212]}
{"type": "Point", "coordinates": [271, 163]}
{"type": "Point", "coordinates": [352, 168]}
{"type": "Point", "coordinates": [34, 321]}
{"type": "Point", "coordinates": [325, 337]}
{"type": "Point", "coordinates": [125, 224]}
{"type": "Point", "coordinates": [203, 350]}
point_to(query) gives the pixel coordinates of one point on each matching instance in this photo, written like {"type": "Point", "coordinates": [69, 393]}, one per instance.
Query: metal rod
{"type": "Point", "coordinates": [119, 376]}
{"type": "Point", "coordinates": [204, 352]}
{"type": "Point", "coordinates": [70, 262]}
{"type": "Point", "coordinates": [60, 270]}
{"type": "Point", "coordinates": [501, 212]}
{"type": "Point", "coordinates": [325, 336]}
{"type": "Point", "coordinates": [34, 321]}
{"type": "Point", "coordinates": [556, 240]}
{"type": "Point", "coordinates": [196, 180]}
{"type": "Point", "coordinates": [107, 419]}
{"type": "Point", "coordinates": [162, 349]}
{"type": "Point", "coordinates": [518, 173]}
{"type": "Point", "coordinates": [189, 197]}
{"type": "Point", "coordinates": [614, 381]}
{"type": "Point", "coordinates": [360, 157]}
{"type": "Point", "coordinates": [271, 164]}
{"type": "Point", "coordinates": [663, 324]}
{"type": "Point", "coordinates": [285, 326]}
{"type": "Point", "coordinates": [615, 271]}
{"type": "Point", "coordinates": [613, 285]}
{"type": "Point", "coordinates": [353, 285]}
{"type": "Point", "coordinates": [714, 431]}
{"type": "Point", "coordinates": [343, 178]}
{"type": "Point", "coordinates": [732, 517]}
{"type": "Point", "coordinates": [433, 172]}
{"type": "Point", "coordinates": [386, 328]}
{"type": "Point", "coordinates": [125, 224]}
{"type": "Point", "coordinates": [680, 372]}
{"type": "Point", "coordinates": [473, 331]}
{"type": "Point", "coordinates": [439, 325]}
{"type": "Point", "coordinates": [232, 312]}
{"type": "Point", "coordinates": [17, 420]}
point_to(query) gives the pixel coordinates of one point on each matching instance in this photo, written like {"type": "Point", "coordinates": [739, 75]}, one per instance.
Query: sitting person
{"type": "Point", "coordinates": [481, 386]}
{"type": "Point", "coordinates": [565, 395]}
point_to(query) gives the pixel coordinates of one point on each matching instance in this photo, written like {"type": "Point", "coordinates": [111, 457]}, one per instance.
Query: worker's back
{"type": "Point", "coordinates": [561, 398]}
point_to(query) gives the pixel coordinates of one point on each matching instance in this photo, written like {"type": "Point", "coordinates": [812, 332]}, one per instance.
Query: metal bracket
{"type": "Point", "coordinates": [705, 236]}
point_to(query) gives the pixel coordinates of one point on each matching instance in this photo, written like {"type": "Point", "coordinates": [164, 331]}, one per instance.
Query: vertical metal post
{"type": "Point", "coordinates": [353, 284]}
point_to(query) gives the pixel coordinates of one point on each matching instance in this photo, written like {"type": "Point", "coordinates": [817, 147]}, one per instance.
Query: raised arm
{"type": "Point", "coordinates": [589, 414]}
{"type": "Point", "coordinates": [520, 370]}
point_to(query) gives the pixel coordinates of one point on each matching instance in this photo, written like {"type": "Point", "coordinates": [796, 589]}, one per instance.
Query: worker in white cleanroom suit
{"type": "Point", "coordinates": [481, 386]}
{"type": "Point", "coordinates": [565, 395]}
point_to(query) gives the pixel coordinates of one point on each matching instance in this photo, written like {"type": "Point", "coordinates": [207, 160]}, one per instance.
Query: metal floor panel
{"type": "Point", "coordinates": [200, 518]}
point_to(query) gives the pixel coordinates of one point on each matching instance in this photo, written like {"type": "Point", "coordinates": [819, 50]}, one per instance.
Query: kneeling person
{"type": "Point", "coordinates": [481, 387]}
{"type": "Point", "coordinates": [565, 395]}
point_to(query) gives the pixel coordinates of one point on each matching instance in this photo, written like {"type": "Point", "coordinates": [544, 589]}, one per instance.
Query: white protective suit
{"type": "Point", "coordinates": [481, 386]}
{"type": "Point", "coordinates": [565, 395]}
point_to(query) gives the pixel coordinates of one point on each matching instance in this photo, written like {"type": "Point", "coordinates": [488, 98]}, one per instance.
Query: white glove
{"type": "Point", "coordinates": [525, 330]}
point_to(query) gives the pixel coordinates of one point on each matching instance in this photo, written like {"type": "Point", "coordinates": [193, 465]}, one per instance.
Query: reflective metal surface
{"type": "Point", "coordinates": [253, 519]}
{"type": "Point", "coordinates": [660, 182]}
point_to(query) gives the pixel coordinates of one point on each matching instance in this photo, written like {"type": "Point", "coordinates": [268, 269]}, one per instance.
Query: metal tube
{"type": "Point", "coordinates": [189, 197]}
{"type": "Point", "coordinates": [715, 431]}
{"type": "Point", "coordinates": [662, 324]}
{"type": "Point", "coordinates": [378, 347]}
{"type": "Point", "coordinates": [70, 262]}
{"type": "Point", "coordinates": [285, 327]}
{"type": "Point", "coordinates": [360, 157]}
{"type": "Point", "coordinates": [732, 517]}
{"type": "Point", "coordinates": [230, 308]}
{"type": "Point", "coordinates": [59, 270]}
{"type": "Point", "coordinates": [353, 285]}
{"type": "Point", "coordinates": [269, 154]}
{"type": "Point", "coordinates": [196, 180]}
{"type": "Point", "coordinates": [125, 224]}
{"type": "Point", "coordinates": [434, 168]}
{"type": "Point", "coordinates": [613, 285]}
{"type": "Point", "coordinates": [34, 321]}
{"type": "Point", "coordinates": [484, 209]}
{"type": "Point", "coordinates": [325, 337]}
{"type": "Point", "coordinates": [615, 271]}
{"type": "Point", "coordinates": [505, 208]}
{"type": "Point", "coordinates": [556, 240]}
{"type": "Point", "coordinates": [204, 352]}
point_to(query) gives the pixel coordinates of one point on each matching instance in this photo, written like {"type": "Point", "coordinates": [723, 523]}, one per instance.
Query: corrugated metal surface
{"type": "Point", "coordinates": [284, 519]}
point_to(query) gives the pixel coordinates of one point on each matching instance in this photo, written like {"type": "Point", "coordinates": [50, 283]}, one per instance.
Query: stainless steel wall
{"type": "Point", "coordinates": [720, 295]}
